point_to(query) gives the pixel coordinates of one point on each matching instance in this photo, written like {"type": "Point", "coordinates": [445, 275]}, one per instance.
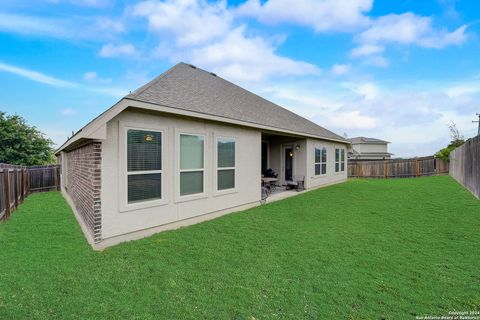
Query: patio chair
{"type": "Point", "coordinates": [297, 183]}
{"type": "Point", "coordinates": [265, 194]}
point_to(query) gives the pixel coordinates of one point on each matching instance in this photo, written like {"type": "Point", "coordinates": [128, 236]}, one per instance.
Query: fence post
{"type": "Point", "coordinates": [25, 178]}
{"type": "Point", "coordinates": [358, 170]}
{"type": "Point", "coordinates": [15, 187]}
{"type": "Point", "coordinates": [22, 185]}
{"type": "Point", "coordinates": [58, 178]}
{"type": "Point", "coordinates": [28, 181]}
{"type": "Point", "coordinates": [25, 175]}
{"type": "Point", "coordinates": [417, 168]}
{"type": "Point", "coordinates": [385, 169]}
{"type": "Point", "coordinates": [6, 192]}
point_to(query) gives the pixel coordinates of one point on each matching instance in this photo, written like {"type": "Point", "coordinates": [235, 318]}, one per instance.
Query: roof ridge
{"type": "Point", "coordinates": [268, 101]}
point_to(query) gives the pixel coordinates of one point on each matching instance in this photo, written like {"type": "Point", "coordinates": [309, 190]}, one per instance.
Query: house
{"type": "Point", "coordinates": [368, 149]}
{"type": "Point", "coordinates": [187, 147]}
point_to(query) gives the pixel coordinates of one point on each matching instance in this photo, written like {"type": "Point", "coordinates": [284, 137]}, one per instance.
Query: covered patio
{"type": "Point", "coordinates": [283, 161]}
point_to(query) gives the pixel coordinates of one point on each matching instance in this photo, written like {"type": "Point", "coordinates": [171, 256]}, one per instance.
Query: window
{"type": "Point", "coordinates": [225, 163]}
{"type": "Point", "coordinates": [339, 160]}
{"type": "Point", "coordinates": [320, 160]}
{"type": "Point", "coordinates": [191, 164]}
{"type": "Point", "coordinates": [144, 165]}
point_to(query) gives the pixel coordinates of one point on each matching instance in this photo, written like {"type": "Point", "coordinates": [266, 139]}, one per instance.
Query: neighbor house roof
{"type": "Point", "coordinates": [188, 90]}
{"type": "Point", "coordinates": [358, 140]}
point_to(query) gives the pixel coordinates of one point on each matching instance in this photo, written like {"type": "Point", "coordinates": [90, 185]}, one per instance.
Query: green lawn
{"type": "Point", "coordinates": [365, 249]}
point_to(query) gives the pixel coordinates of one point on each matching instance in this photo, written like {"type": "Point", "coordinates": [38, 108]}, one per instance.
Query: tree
{"type": "Point", "coordinates": [22, 144]}
{"type": "Point", "coordinates": [457, 140]}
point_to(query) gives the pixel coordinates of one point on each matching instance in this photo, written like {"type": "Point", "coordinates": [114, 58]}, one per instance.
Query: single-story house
{"type": "Point", "coordinates": [186, 147]}
{"type": "Point", "coordinates": [368, 149]}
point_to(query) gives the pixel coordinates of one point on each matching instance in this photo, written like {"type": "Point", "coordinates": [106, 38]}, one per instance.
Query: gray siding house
{"type": "Point", "coordinates": [187, 147]}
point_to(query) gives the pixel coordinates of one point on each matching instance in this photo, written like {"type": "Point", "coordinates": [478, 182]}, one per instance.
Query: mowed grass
{"type": "Point", "coordinates": [365, 249]}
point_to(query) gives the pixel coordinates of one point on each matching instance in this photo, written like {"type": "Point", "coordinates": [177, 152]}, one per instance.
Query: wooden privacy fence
{"type": "Point", "coordinates": [465, 165]}
{"type": "Point", "coordinates": [396, 168]}
{"type": "Point", "coordinates": [17, 182]}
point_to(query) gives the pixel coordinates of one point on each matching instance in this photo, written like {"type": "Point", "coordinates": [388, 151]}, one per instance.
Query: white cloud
{"type": "Point", "coordinates": [35, 76]}
{"type": "Point", "coordinates": [377, 61]}
{"type": "Point", "coordinates": [351, 120]}
{"type": "Point", "coordinates": [32, 25]}
{"type": "Point", "coordinates": [463, 89]}
{"type": "Point", "coordinates": [321, 15]}
{"type": "Point", "coordinates": [205, 34]}
{"type": "Point", "coordinates": [366, 50]}
{"type": "Point", "coordinates": [69, 112]}
{"type": "Point", "coordinates": [340, 69]}
{"type": "Point", "coordinates": [85, 3]}
{"type": "Point", "coordinates": [112, 50]}
{"type": "Point", "coordinates": [244, 59]}
{"type": "Point", "coordinates": [406, 29]}
{"type": "Point", "coordinates": [57, 135]}
{"type": "Point", "coordinates": [76, 27]}
{"type": "Point", "coordinates": [92, 76]}
{"type": "Point", "coordinates": [55, 82]}
{"type": "Point", "coordinates": [414, 118]}
{"type": "Point", "coordinates": [308, 99]}
{"type": "Point", "coordinates": [116, 92]}
{"type": "Point", "coordinates": [109, 24]}
{"type": "Point", "coordinates": [402, 29]}
{"type": "Point", "coordinates": [369, 91]}
{"type": "Point", "coordinates": [188, 22]}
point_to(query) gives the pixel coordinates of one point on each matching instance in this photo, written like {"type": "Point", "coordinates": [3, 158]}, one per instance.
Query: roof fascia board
{"type": "Point", "coordinates": [378, 141]}
{"type": "Point", "coordinates": [167, 109]}
{"type": "Point", "coordinates": [97, 128]}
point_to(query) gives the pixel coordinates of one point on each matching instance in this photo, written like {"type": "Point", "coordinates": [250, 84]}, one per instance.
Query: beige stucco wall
{"type": "Point", "coordinates": [276, 155]}
{"type": "Point", "coordinates": [364, 147]}
{"type": "Point", "coordinates": [303, 160]}
{"type": "Point", "coordinates": [116, 220]}
{"type": "Point", "coordinates": [312, 181]}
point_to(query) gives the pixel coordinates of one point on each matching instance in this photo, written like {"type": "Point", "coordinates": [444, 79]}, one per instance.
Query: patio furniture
{"type": "Point", "coordinates": [265, 194]}
{"type": "Point", "coordinates": [270, 183]}
{"type": "Point", "coordinates": [297, 183]}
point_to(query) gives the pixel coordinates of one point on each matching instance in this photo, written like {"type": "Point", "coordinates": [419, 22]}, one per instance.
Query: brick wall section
{"type": "Point", "coordinates": [83, 184]}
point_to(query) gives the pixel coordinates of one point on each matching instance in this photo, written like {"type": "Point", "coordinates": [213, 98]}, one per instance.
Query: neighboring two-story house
{"type": "Point", "coordinates": [369, 149]}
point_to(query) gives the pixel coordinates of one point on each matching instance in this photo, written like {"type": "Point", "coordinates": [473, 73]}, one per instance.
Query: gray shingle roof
{"type": "Point", "coordinates": [189, 88]}
{"type": "Point", "coordinates": [358, 140]}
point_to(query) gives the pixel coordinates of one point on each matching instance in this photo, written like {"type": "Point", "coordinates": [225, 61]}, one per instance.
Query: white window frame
{"type": "Point", "coordinates": [188, 197]}
{"type": "Point", "coordinates": [340, 150]}
{"type": "Point", "coordinates": [123, 167]}
{"type": "Point", "coordinates": [321, 148]}
{"type": "Point", "coordinates": [231, 190]}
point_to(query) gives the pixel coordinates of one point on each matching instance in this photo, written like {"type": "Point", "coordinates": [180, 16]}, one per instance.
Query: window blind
{"type": "Point", "coordinates": [144, 150]}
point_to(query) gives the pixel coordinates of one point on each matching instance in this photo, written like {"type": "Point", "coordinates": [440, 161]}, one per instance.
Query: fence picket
{"type": "Point", "coordinates": [16, 182]}
{"type": "Point", "coordinates": [6, 192]}
{"type": "Point", "coordinates": [396, 168]}
{"type": "Point", "coordinates": [465, 165]}
{"type": "Point", "coordinates": [15, 188]}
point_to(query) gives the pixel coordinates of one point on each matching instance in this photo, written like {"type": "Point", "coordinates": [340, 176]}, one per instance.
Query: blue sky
{"type": "Point", "coordinates": [396, 70]}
